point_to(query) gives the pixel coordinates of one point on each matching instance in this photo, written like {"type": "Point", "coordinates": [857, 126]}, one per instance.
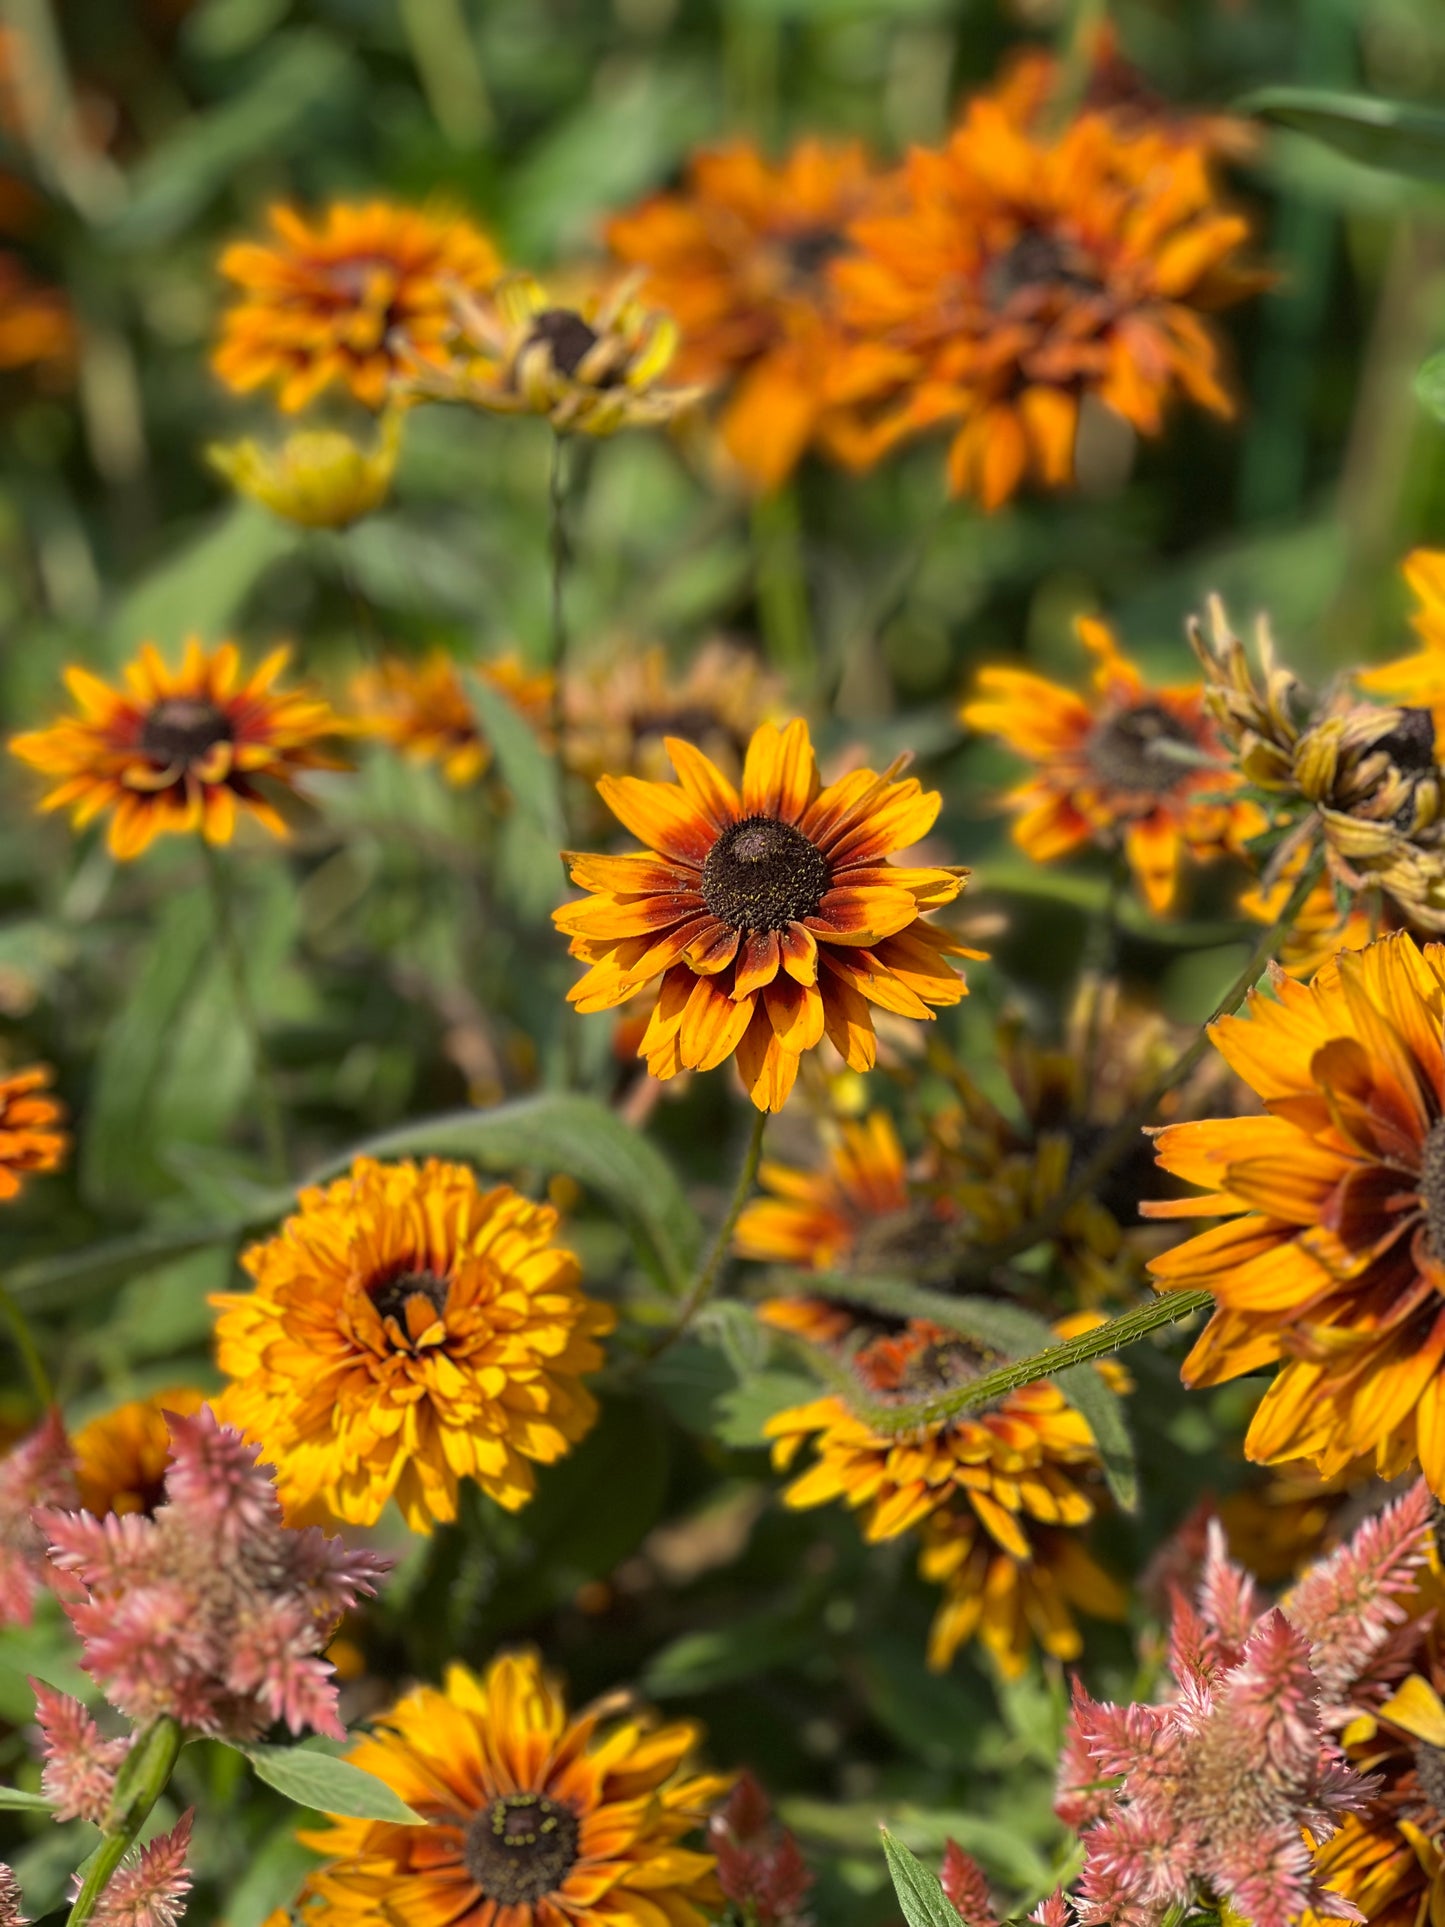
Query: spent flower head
{"type": "Point", "coordinates": [212, 1611]}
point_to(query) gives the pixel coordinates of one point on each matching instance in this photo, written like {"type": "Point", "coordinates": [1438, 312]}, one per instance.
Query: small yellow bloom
{"type": "Point", "coordinates": [590, 370]}
{"type": "Point", "coordinates": [319, 478]}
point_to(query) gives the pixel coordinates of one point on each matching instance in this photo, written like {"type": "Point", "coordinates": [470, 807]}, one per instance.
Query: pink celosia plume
{"type": "Point", "coordinates": [149, 1891]}
{"type": "Point", "coordinates": [11, 1914]}
{"type": "Point", "coordinates": [212, 1610]}
{"type": "Point", "coordinates": [40, 1470]}
{"type": "Point", "coordinates": [80, 1764]}
{"type": "Point", "coordinates": [760, 1866]}
{"type": "Point", "coordinates": [966, 1885]}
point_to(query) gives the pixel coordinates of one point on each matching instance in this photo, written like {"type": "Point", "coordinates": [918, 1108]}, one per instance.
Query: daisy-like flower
{"type": "Point", "coordinates": [819, 1219]}
{"type": "Point", "coordinates": [182, 750]}
{"type": "Point", "coordinates": [318, 478]}
{"type": "Point", "coordinates": [421, 708]}
{"type": "Point", "coordinates": [121, 1457]}
{"type": "Point", "coordinates": [1389, 1858]}
{"type": "Point", "coordinates": [33, 1139]}
{"type": "Point", "coordinates": [1418, 681]}
{"type": "Point", "coordinates": [409, 1330]}
{"type": "Point", "coordinates": [536, 1817]}
{"type": "Point", "coordinates": [1025, 274]}
{"type": "Point", "coordinates": [737, 257]}
{"type": "Point", "coordinates": [1132, 767]}
{"type": "Point", "coordinates": [772, 915]}
{"type": "Point", "coordinates": [353, 298]}
{"type": "Point", "coordinates": [590, 370]}
{"type": "Point", "coordinates": [1329, 1257]}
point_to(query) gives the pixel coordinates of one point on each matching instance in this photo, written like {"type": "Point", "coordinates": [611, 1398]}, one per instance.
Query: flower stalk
{"type": "Point", "coordinates": [143, 1778]}
{"type": "Point", "coordinates": [711, 1269]}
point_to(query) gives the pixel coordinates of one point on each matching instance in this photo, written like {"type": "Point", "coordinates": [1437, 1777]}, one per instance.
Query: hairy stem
{"type": "Point", "coordinates": [272, 1116]}
{"type": "Point", "coordinates": [711, 1268]}
{"type": "Point", "coordinates": [142, 1780]}
{"type": "Point", "coordinates": [989, 1387]}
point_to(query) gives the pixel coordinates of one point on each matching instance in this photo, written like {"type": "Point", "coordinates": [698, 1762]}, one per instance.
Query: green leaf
{"type": "Point", "coordinates": [558, 1132]}
{"type": "Point", "coordinates": [740, 1414]}
{"type": "Point", "coordinates": [1101, 1405]}
{"type": "Point", "coordinates": [526, 768]}
{"type": "Point", "coordinates": [1430, 385]}
{"type": "Point", "coordinates": [1396, 136]}
{"type": "Point", "coordinates": [920, 1893]}
{"type": "Point", "coordinates": [198, 589]}
{"type": "Point", "coordinates": [114, 1261]}
{"type": "Point", "coordinates": [14, 1797]}
{"type": "Point", "coordinates": [329, 1785]}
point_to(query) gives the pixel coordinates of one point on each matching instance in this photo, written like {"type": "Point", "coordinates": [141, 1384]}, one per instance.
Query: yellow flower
{"type": "Point", "coordinates": [408, 1330]}
{"type": "Point", "coordinates": [181, 750]}
{"type": "Point", "coordinates": [1330, 1260]}
{"type": "Point", "coordinates": [1419, 680]}
{"type": "Point", "coordinates": [590, 370]}
{"type": "Point", "coordinates": [772, 916]}
{"type": "Point", "coordinates": [320, 478]}
{"type": "Point", "coordinates": [121, 1458]}
{"type": "Point", "coordinates": [535, 1819]}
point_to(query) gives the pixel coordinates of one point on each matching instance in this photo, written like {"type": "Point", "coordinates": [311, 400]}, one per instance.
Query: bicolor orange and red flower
{"type": "Point", "coordinates": [33, 1139]}
{"type": "Point", "coordinates": [737, 257]}
{"type": "Point", "coordinates": [1133, 766]}
{"type": "Point", "coordinates": [1328, 1262]}
{"type": "Point", "coordinates": [421, 708]}
{"type": "Point", "coordinates": [352, 298]}
{"type": "Point", "coordinates": [185, 750]}
{"type": "Point", "coordinates": [535, 1818]}
{"type": "Point", "coordinates": [1418, 681]}
{"type": "Point", "coordinates": [408, 1330]}
{"type": "Point", "coordinates": [772, 915]}
{"type": "Point", "coordinates": [1026, 274]}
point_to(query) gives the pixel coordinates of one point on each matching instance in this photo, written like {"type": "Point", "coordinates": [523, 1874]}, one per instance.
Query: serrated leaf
{"type": "Point", "coordinates": [1397, 136]}
{"type": "Point", "coordinates": [740, 1414]}
{"type": "Point", "coordinates": [329, 1785]}
{"type": "Point", "coordinates": [920, 1892]}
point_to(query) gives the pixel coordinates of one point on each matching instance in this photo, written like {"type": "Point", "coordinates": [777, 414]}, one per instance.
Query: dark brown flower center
{"type": "Point", "coordinates": [810, 250]}
{"type": "Point", "coordinates": [1432, 1186]}
{"type": "Point", "coordinates": [763, 875]}
{"type": "Point", "coordinates": [390, 1296]}
{"type": "Point", "coordinates": [1410, 745]}
{"type": "Point", "coordinates": [182, 728]}
{"type": "Point", "coordinates": [1133, 749]}
{"type": "Point", "coordinates": [1035, 260]}
{"type": "Point", "coordinates": [521, 1848]}
{"type": "Point", "coordinates": [568, 336]}
{"type": "Point", "coordinates": [1430, 1772]}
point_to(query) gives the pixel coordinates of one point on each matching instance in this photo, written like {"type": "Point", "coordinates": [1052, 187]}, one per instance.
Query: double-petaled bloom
{"type": "Point", "coordinates": [408, 1330]}
{"type": "Point", "coordinates": [1026, 274]}
{"type": "Point", "coordinates": [182, 751]}
{"type": "Point", "coordinates": [33, 1138]}
{"type": "Point", "coordinates": [771, 914]}
{"type": "Point", "coordinates": [589, 370]}
{"type": "Point", "coordinates": [354, 298]}
{"type": "Point", "coordinates": [1131, 767]}
{"type": "Point", "coordinates": [1330, 1257]}
{"type": "Point", "coordinates": [738, 257]}
{"type": "Point", "coordinates": [535, 1818]}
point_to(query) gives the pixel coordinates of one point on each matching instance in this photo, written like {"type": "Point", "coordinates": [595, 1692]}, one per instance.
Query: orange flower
{"type": "Point", "coordinates": [121, 1457]}
{"type": "Point", "coordinates": [180, 750]}
{"type": "Point", "coordinates": [772, 916]}
{"type": "Point", "coordinates": [737, 258]}
{"type": "Point", "coordinates": [421, 708]}
{"type": "Point", "coordinates": [1024, 274]}
{"type": "Point", "coordinates": [1418, 681]}
{"type": "Point", "coordinates": [1329, 1260]}
{"type": "Point", "coordinates": [1122, 769]}
{"type": "Point", "coordinates": [31, 1137]}
{"type": "Point", "coordinates": [1321, 927]}
{"type": "Point", "coordinates": [816, 1219]}
{"type": "Point", "coordinates": [354, 298]}
{"type": "Point", "coordinates": [36, 325]}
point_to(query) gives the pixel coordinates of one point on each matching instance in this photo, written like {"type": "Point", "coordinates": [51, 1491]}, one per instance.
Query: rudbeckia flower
{"type": "Point", "coordinates": [121, 1457]}
{"type": "Point", "coordinates": [1131, 766]}
{"type": "Point", "coordinates": [771, 915]}
{"type": "Point", "coordinates": [352, 298]}
{"type": "Point", "coordinates": [181, 750]}
{"type": "Point", "coordinates": [421, 708]}
{"type": "Point", "coordinates": [535, 1818]}
{"type": "Point", "coordinates": [32, 1134]}
{"type": "Point", "coordinates": [1329, 1260]}
{"type": "Point", "coordinates": [409, 1330]}
{"type": "Point", "coordinates": [1418, 681]}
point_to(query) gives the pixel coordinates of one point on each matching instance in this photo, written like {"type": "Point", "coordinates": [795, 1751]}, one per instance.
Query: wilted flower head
{"type": "Point", "coordinates": [151, 1889]}
{"type": "Point", "coordinates": [80, 1764]}
{"type": "Point", "coordinates": [212, 1611]}
{"type": "Point", "coordinates": [319, 478]}
{"type": "Point", "coordinates": [40, 1470]}
{"type": "Point", "coordinates": [590, 370]}
{"type": "Point", "coordinates": [760, 1866]}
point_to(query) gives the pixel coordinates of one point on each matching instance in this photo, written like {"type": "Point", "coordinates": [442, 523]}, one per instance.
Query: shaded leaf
{"type": "Point", "coordinates": [328, 1785]}
{"type": "Point", "coordinates": [1397, 136]}
{"type": "Point", "coordinates": [15, 1797]}
{"type": "Point", "coordinates": [1430, 386]}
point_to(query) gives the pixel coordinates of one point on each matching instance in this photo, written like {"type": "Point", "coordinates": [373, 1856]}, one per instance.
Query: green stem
{"type": "Point", "coordinates": [24, 1340]}
{"type": "Point", "coordinates": [989, 1387]}
{"type": "Point", "coordinates": [705, 1283]}
{"type": "Point", "coordinates": [142, 1780]}
{"type": "Point", "coordinates": [781, 583]}
{"type": "Point", "coordinates": [560, 552]}
{"type": "Point", "coordinates": [273, 1120]}
{"type": "Point", "coordinates": [1117, 1141]}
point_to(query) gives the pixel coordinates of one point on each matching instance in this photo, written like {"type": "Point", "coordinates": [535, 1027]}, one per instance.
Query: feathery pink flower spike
{"type": "Point", "coordinates": [40, 1470]}
{"type": "Point", "coordinates": [760, 1866]}
{"type": "Point", "coordinates": [212, 1611]}
{"type": "Point", "coordinates": [11, 1914]}
{"type": "Point", "coordinates": [80, 1764]}
{"type": "Point", "coordinates": [149, 1891]}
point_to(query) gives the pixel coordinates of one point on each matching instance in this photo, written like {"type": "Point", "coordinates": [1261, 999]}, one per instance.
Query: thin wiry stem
{"type": "Point", "coordinates": [712, 1266]}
